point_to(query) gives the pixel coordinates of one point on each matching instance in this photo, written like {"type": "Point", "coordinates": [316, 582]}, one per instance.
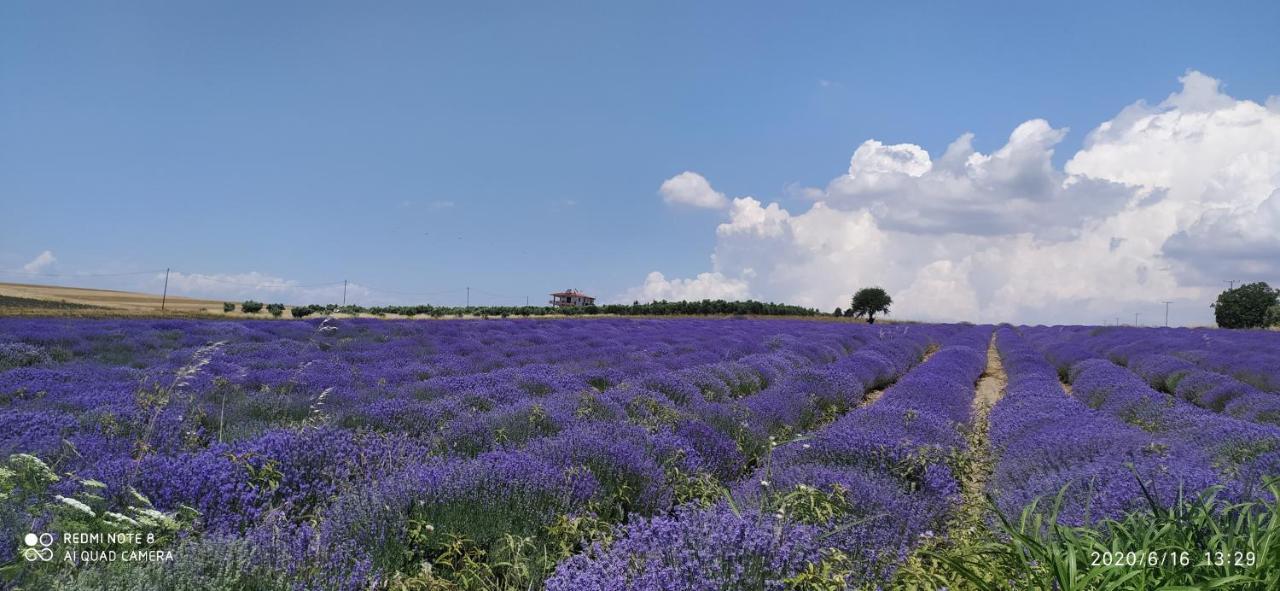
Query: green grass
{"type": "Point", "coordinates": [1206, 542]}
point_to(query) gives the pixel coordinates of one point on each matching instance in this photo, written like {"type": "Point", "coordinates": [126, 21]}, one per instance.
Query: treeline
{"type": "Point", "coordinates": [659, 308]}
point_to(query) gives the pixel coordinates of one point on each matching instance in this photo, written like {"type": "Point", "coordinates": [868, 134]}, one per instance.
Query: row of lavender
{"type": "Point", "coordinates": [1110, 434]}
{"type": "Point", "coordinates": [888, 463]}
{"type": "Point", "coordinates": [351, 437]}
{"type": "Point", "coordinates": [1236, 372]}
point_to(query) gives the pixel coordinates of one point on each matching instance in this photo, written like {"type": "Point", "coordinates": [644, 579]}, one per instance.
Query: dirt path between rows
{"type": "Point", "coordinates": [973, 484]}
{"type": "Point", "coordinates": [966, 526]}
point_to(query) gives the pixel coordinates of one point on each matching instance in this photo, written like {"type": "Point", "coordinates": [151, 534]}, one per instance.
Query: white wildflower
{"type": "Point", "coordinates": [123, 519]}
{"type": "Point", "coordinates": [77, 505]}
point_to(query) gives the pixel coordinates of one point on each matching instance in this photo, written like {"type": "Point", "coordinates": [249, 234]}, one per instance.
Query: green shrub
{"type": "Point", "coordinates": [301, 311]}
{"type": "Point", "coordinates": [1273, 316]}
{"type": "Point", "coordinates": [250, 307]}
{"type": "Point", "coordinates": [1245, 306]}
{"type": "Point", "coordinates": [228, 307]}
{"type": "Point", "coordinates": [275, 309]}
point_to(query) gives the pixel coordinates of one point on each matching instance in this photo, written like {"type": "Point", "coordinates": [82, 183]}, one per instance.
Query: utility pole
{"type": "Point", "coordinates": [1135, 318]}
{"type": "Point", "coordinates": [165, 295]}
{"type": "Point", "coordinates": [468, 296]}
{"type": "Point", "coordinates": [526, 301]}
{"type": "Point", "coordinates": [1166, 313]}
{"type": "Point", "coordinates": [344, 292]}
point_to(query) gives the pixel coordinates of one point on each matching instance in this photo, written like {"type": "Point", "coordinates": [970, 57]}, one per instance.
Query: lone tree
{"type": "Point", "coordinates": [870, 301]}
{"type": "Point", "coordinates": [1245, 306]}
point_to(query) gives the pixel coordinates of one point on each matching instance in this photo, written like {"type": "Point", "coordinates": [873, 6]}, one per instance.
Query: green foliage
{"type": "Point", "coordinates": [1245, 306]}
{"type": "Point", "coordinates": [1272, 317]}
{"type": "Point", "coordinates": [838, 312]}
{"type": "Point", "coordinates": [275, 309]}
{"type": "Point", "coordinates": [26, 499]}
{"type": "Point", "coordinates": [814, 506]}
{"type": "Point", "coordinates": [1201, 543]}
{"type": "Point", "coordinates": [250, 307]}
{"type": "Point", "coordinates": [454, 562]}
{"type": "Point", "coordinates": [228, 307]}
{"type": "Point", "coordinates": [699, 488]}
{"type": "Point", "coordinates": [301, 311]}
{"type": "Point", "coordinates": [870, 301]}
{"type": "Point", "coordinates": [219, 564]}
{"type": "Point", "coordinates": [832, 573]}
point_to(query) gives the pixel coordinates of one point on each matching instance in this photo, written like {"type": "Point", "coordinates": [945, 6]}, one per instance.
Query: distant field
{"type": "Point", "coordinates": [16, 303]}
{"type": "Point", "coordinates": [19, 298]}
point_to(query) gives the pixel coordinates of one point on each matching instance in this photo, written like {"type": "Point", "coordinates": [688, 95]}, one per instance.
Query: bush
{"type": "Point", "coordinates": [1273, 316]}
{"type": "Point", "coordinates": [275, 309]}
{"type": "Point", "coordinates": [228, 307]}
{"type": "Point", "coordinates": [1245, 306]}
{"type": "Point", "coordinates": [250, 307]}
{"type": "Point", "coordinates": [301, 311]}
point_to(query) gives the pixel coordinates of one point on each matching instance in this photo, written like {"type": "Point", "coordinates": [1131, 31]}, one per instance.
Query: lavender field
{"type": "Point", "coordinates": [609, 454]}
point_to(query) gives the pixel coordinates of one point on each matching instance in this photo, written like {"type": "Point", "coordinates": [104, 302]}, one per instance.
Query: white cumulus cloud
{"type": "Point", "coordinates": [706, 286]}
{"type": "Point", "coordinates": [1160, 201]}
{"type": "Point", "coordinates": [690, 188]}
{"type": "Point", "coordinates": [41, 262]}
{"type": "Point", "coordinates": [1014, 188]}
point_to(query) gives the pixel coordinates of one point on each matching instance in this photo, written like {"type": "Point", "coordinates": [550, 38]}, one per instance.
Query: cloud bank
{"type": "Point", "coordinates": [1162, 202]}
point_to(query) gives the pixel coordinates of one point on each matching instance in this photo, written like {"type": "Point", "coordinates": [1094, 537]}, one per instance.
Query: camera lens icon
{"type": "Point", "coordinates": [43, 553]}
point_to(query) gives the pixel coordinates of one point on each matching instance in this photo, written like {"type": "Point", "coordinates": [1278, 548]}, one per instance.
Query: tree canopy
{"type": "Point", "coordinates": [870, 301]}
{"type": "Point", "coordinates": [1245, 306]}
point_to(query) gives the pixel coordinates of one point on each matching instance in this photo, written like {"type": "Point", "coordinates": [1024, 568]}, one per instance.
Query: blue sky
{"type": "Point", "coordinates": [422, 147]}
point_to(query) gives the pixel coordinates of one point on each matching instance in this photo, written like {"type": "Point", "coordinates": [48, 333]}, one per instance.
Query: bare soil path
{"type": "Point", "coordinates": [967, 525]}
{"type": "Point", "coordinates": [989, 390]}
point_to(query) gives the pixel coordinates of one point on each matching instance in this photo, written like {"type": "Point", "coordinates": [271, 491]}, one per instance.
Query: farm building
{"type": "Point", "coordinates": [571, 298]}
